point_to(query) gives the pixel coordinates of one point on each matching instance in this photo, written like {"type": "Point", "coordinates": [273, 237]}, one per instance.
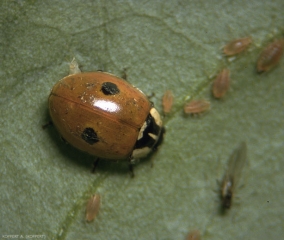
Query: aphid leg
{"type": "Point", "coordinates": [124, 74]}
{"type": "Point", "coordinates": [50, 123]}
{"type": "Point", "coordinates": [95, 165]}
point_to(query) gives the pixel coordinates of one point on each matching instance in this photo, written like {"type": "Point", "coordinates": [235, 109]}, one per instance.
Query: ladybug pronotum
{"type": "Point", "coordinates": [104, 115]}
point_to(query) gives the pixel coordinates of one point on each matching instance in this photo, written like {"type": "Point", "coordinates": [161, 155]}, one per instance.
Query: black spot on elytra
{"type": "Point", "coordinates": [90, 136]}
{"type": "Point", "coordinates": [109, 88]}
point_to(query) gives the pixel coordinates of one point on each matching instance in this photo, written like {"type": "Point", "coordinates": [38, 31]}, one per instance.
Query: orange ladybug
{"type": "Point", "coordinates": [104, 115]}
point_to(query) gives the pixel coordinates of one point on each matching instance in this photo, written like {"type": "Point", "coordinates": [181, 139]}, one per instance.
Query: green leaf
{"type": "Point", "coordinates": [45, 184]}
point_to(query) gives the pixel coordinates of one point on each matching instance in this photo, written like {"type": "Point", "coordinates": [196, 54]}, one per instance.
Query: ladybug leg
{"type": "Point", "coordinates": [95, 164]}
{"type": "Point", "coordinates": [63, 140]}
{"type": "Point", "coordinates": [131, 163]}
{"type": "Point", "coordinates": [131, 170]}
{"type": "Point", "coordinates": [151, 96]}
{"type": "Point", "coordinates": [47, 125]}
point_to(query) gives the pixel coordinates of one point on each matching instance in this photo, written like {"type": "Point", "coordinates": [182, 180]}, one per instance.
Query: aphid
{"type": "Point", "coordinates": [237, 46]}
{"type": "Point", "coordinates": [193, 235]}
{"type": "Point", "coordinates": [196, 106]}
{"type": "Point", "coordinates": [168, 99]}
{"type": "Point", "coordinates": [270, 56]}
{"type": "Point", "coordinates": [221, 84]}
{"type": "Point", "coordinates": [74, 67]}
{"type": "Point", "coordinates": [92, 208]}
{"type": "Point", "coordinates": [232, 175]}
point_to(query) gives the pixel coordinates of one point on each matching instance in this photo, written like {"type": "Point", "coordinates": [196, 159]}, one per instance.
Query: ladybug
{"type": "Point", "coordinates": [104, 115]}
